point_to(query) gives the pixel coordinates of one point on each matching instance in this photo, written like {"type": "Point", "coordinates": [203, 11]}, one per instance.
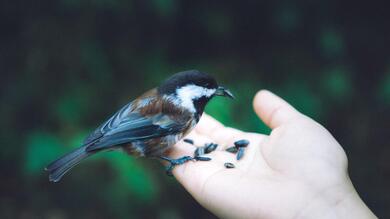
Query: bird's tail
{"type": "Point", "coordinates": [58, 168]}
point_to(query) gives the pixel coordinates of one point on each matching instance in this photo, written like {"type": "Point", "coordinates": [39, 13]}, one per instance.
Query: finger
{"type": "Point", "coordinates": [193, 174]}
{"type": "Point", "coordinates": [273, 110]}
{"type": "Point", "coordinates": [184, 149]}
{"type": "Point", "coordinates": [207, 124]}
{"type": "Point", "coordinates": [251, 160]}
{"type": "Point", "coordinates": [212, 184]}
{"type": "Point", "coordinates": [223, 136]}
{"type": "Point", "coordinates": [198, 140]}
{"type": "Point", "coordinates": [226, 136]}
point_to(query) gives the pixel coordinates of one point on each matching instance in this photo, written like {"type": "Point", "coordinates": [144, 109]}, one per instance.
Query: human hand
{"type": "Point", "coordinates": [298, 171]}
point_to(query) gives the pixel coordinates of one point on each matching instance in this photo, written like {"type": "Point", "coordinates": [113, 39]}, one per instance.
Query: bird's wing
{"type": "Point", "coordinates": [137, 127]}
{"type": "Point", "coordinates": [119, 116]}
{"type": "Point", "coordinates": [112, 122]}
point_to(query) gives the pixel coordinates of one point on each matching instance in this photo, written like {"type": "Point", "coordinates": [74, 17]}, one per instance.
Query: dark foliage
{"type": "Point", "coordinates": [67, 65]}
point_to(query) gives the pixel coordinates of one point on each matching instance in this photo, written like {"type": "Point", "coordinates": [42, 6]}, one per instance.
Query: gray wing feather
{"type": "Point", "coordinates": [136, 127]}
{"type": "Point", "coordinates": [112, 122]}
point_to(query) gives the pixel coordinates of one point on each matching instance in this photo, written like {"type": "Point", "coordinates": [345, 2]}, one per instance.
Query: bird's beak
{"type": "Point", "coordinates": [221, 91]}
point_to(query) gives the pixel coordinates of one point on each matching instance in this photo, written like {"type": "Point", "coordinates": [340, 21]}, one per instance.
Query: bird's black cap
{"type": "Point", "coordinates": [184, 78]}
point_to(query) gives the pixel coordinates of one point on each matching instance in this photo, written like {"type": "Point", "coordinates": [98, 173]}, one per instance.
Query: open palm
{"type": "Point", "coordinates": [298, 171]}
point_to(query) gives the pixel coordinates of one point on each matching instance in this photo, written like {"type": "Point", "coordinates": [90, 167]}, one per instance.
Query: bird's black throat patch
{"type": "Point", "coordinates": [199, 105]}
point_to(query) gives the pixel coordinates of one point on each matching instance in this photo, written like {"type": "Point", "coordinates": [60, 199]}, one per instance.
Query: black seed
{"type": "Point", "coordinates": [232, 150]}
{"type": "Point", "coordinates": [241, 143]}
{"type": "Point", "coordinates": [210, 147]}
{"type": "Point", "coordinates": [229, 165]}
{"type": "Point", "coordinates": [240, 153]}
{"type": "Point", "coordinates": [199, 152]}
{"type": "Point", "coordinates": [202, 158]}
{"type": "Point", "coordinates": [189, 141]}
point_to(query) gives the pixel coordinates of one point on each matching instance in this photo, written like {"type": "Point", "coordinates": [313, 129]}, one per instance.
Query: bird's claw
{"type": "Point", "coordinates": [175, 162]}
{"type": "Point", "coordinates": [198, 156]}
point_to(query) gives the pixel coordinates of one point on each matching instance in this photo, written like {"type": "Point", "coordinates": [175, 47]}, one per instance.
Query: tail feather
{"type": "Point", "coordinates": [58, 168]}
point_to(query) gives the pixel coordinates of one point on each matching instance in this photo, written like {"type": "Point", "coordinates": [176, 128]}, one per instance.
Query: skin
{"type": "Point", "coordinates": [298, 171]}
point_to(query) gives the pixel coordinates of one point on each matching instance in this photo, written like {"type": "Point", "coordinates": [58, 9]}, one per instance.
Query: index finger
{"type": "Point", "coordinates": [207, 124]}
{"type": "Point", "coordinates": [224, 136]}
{"type": "Point", "coordinates": [218, 133]}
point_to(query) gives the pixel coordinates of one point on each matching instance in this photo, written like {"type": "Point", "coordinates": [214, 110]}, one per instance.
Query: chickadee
{"type": "Point", "coordinates": [152, 123]}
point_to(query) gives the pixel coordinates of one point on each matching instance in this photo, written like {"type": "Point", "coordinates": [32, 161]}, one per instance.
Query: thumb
{"type": "Point", "coordinates": [273, 110]}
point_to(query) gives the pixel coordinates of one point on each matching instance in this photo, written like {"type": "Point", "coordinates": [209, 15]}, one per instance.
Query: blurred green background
{"type": "Point", "coordinates": [67, 65]}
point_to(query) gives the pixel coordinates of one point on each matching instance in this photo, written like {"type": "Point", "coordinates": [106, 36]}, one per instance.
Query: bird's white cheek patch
{"type": "Point", "coordinates": [188, 93]}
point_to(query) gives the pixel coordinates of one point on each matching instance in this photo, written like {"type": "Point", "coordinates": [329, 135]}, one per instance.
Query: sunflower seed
{"type": "Point", "coordinates": [240, 153]}
{"type": "Point", "coordinates": [202, 158]}
{"type": "Point", "coordinates": [229, 165]}
{"type": "Point", "coordinates": [199, 152]}
{"type": "Point", "coordinates": [232, 150]}
{"type": "Point", "coordinates": [241, 143]}
{"type": "Point", "coordinates": [189, 141]}
{"type": "Point", "coordinates": [210, 148]}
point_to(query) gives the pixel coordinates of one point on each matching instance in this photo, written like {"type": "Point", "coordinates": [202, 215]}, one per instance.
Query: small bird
{"type": "Point", "coordinates": [150, 124]}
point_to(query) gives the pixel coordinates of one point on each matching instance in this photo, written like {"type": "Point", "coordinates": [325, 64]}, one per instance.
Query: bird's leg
{"type": "Point", "coordinates": [174, 162]}
{"type": "Point", "coordinates": [207, 148]}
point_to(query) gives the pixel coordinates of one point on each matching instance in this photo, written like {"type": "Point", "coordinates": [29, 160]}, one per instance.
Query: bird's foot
{"type": "Point", "coordinates": [198, 156]}
{"type": "Point", "coordinates": [175, 162]}
{"type": "Point", "coordinates": [180, 161]}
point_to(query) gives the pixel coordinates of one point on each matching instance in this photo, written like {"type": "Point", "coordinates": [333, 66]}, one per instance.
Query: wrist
{"type": "Point", "coordinates": [337, 202]}
{"type": "Point", "coordinates": [353, 207]}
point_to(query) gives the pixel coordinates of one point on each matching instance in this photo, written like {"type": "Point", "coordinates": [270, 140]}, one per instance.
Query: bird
{"type": "Point", "coordinates": [150, 124]}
